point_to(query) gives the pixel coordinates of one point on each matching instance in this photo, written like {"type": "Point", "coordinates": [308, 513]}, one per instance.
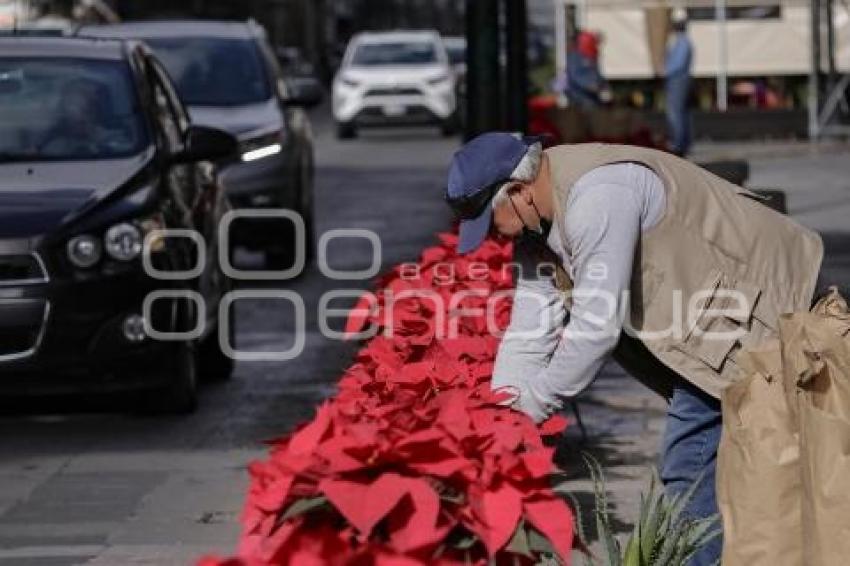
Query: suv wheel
{"type": "Point", "coordinates": [345, 130]}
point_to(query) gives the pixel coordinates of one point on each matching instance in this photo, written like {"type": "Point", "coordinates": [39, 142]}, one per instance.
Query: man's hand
{"type": "Point", "coordinates": [521, 402]}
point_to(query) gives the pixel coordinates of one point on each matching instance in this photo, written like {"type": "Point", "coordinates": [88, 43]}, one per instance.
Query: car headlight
{"type": "Point", "coordinates": [260, 147]}
{"type": "Point", "coordinates": [123, 242]}
{"type": "Point", "coordinates": [84, 251]}
{"type": "Point", "coordinates": [438, 80]}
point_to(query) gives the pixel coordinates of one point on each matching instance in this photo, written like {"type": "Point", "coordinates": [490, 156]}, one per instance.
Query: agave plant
{"type": "Point", "coordinates": [663, 536]}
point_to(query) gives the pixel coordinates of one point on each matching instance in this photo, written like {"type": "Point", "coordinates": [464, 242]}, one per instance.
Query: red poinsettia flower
{"type": "Point", "coordinates": [416, 460]}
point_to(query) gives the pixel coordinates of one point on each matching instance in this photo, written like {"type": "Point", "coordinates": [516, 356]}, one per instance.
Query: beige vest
{"type": "Point", "coordinates": [711, 276]}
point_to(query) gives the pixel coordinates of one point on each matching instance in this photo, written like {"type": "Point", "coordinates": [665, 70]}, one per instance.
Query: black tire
{"type": "Point", "coordinates": [215, 364]}
{"type": "Point", "coordinates": [280, 258]}
{"type": "Point", "coordinates": [180, 395]}
{"type": "Point", "coordinates": [346, 130]}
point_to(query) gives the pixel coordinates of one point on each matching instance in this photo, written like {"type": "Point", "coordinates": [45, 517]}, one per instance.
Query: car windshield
{"type": "Point", "coordinates": [394, 53]}
{"type": "Point", "coordinates": [65, 109]}
{"type": "Point", "coordinates": [214, 71]}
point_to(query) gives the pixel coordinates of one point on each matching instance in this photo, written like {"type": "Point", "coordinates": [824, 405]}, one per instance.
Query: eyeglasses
{"type": "Point", "coordinates": [468, 207]}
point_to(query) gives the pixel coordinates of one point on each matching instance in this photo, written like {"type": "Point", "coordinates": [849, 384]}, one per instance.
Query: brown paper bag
{"type": "Point", "coordinates": [758, 475]}
{"type": "Point", "coordinates": [816, 362]}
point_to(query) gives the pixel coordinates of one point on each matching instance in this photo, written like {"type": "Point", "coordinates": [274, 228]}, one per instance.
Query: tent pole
{"type": "Point", "coordinates": [560, 37]}
{"type": "Point", "coordinates": [814, 73]}
{"type": "Point", "coordinates": [562, 46]}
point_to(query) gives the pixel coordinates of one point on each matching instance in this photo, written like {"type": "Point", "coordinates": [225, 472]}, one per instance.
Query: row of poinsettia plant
{"type": "Point", "coordinates": [415, 460]}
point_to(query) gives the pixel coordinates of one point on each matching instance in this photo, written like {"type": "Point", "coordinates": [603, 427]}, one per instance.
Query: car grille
{"type": "Point", "coordinates": [411, 113]}
{"type": "Point", "coordinates": [21, 270]}
{"type": "Point", "coordinates": [22, 327]}
{"type": "Point", "coordinates": [393, 91]}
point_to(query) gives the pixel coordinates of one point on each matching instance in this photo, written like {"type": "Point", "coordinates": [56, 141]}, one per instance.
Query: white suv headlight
{"type": "Point", "coordinates": [123, 242]}
{"type": "Point", "coordinates": [438, 80]}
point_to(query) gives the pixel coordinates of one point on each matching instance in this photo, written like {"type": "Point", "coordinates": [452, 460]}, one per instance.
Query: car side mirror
{"type": "Point", "coordinates": [304, 91]}
{"type": "Point", "coordinates": [202, 143]}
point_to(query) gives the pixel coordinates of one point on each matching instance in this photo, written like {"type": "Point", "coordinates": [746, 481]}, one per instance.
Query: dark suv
{"type": "Point", "coordinates": [228, 76]}
{"type": "Point", "coordinates": [98, 161]}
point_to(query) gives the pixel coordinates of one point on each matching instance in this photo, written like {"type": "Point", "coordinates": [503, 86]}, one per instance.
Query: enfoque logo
{"type": "Point", "coordinates": [602, 314]}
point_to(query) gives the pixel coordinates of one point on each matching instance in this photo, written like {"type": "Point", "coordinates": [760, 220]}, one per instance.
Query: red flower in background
{"type": "Point", "coordinates": [414, 461]}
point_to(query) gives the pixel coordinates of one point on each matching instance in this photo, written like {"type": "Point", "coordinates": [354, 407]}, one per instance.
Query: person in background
{"type": "Point", "coordinates": [677, 77]}
{"type": "Point", "coordinates": [586, 87]}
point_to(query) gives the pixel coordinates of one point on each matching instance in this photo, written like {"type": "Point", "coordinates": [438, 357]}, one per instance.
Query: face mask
{"type": "Point", "coordinates": [536, 239]}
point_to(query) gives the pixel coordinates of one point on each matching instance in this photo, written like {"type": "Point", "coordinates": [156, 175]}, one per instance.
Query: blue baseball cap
{"type": "Point", "coordinates": [478, 171]}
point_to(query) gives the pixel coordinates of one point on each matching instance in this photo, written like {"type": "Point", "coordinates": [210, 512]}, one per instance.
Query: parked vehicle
{"type": "Point", "coordinates": [395, 78]}
{"type": "Point", "coordinates": [97, 157]}
{"type": "Point", "coordinates": [456, 49]}
{"type": "Point", "coordinates": [229, 77]}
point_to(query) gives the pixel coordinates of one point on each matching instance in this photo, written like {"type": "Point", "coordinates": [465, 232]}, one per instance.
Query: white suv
{"type": "Point", "coordinates": [395, 78]}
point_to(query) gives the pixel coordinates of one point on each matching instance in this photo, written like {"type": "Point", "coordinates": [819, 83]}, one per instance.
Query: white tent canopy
{"type": "Point", "coordinates": [782, 44]}
{"type": "Point", "coordinates": [736, 47]}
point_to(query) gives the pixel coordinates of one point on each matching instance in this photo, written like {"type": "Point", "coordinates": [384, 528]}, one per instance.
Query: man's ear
{"type": "Point", "coordinates": [525, 192]}
{"type": "Point", "coordinates": [514, 189]}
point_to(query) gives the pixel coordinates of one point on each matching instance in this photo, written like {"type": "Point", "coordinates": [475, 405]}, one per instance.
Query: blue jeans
{"type": "Point", "coordinates": [690, 446]}
{"type": "Point", "coordinates": [678, 115]}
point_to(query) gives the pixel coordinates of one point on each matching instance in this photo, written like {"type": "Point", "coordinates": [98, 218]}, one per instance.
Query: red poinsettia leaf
{"type": "Point", "coordinates": [272, 498]}
{"type": "Point", "coordinates": [340, 455]}
{"type": "Point", "coordinates": [413, 523]}
{"type": "Point", "coordinates": [413, 373]}
{"type": "Point", "coordinates": [554, 519]}
{"type": "Point", "coordinates": [454, 414]}
{"type": "Point", "coordinates": [273, 547]}
{"type": "Point", "coordinates": [307, 438]}
{"type": "Point", "coordinates": [433, 255]}
{"type": "Point", "coordinates": [307, 558]}
{"type": "Point", "coordinates": [391, 559]}
{"type": "Point", "coordinates": [215, 561]}
{"type": "Point", "coordinates": [364, 504]}
{"type": "Point", "coordinates": [318, 545]}
{"type": "Point", "coordinates": [412, 441]}
{"type": "Point", "coordinates": [360, 314]}
{"type": "Point", "coordinates": [442, 468]}
{"type": "Point", "coordinates": [538, 463]}
{"type": "Point", "coordinates": [501, 509]}
{"type": "Point", "coordinates": [448, 240]}
{"type": "Point", "coordinates": [553, 426]}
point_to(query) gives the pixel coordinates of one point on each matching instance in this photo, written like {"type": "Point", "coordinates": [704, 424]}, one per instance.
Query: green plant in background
{"type": "Point", "coordinates": [663, 535]}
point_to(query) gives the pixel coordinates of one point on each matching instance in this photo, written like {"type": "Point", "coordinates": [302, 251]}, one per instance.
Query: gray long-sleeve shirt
{"type": "Point", "coordinates": [546, 355]}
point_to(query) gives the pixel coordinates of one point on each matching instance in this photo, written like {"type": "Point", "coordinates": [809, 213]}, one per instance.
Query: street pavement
{"type": "Point", "coordinates": [85, 481]}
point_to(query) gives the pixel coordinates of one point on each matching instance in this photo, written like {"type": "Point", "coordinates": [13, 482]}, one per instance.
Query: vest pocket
{"type": "Point", "coordinates": [718, 315]}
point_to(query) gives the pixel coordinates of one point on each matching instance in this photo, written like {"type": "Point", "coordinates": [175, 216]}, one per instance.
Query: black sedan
{"type": "Point", "coordinates": [229, 77]}
{"type": "Point", "coordinates": [109, 209]}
